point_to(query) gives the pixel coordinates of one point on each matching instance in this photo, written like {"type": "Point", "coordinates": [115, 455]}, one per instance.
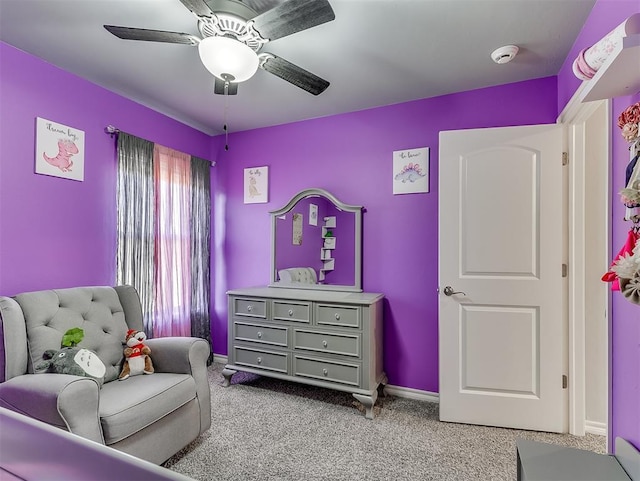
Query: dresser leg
{"type": "Point", "coordinates": [381, 386]}
{"type": "Point", "coordinates": [368, 402]}
{"type": "Point", "coordinates": [227, 373]}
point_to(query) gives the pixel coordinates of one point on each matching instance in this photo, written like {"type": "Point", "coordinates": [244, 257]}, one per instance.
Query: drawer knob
{"type": "Point", "coordinates": [337, 316]}
{"type": "Point", "coordinates": [259, 360]}
{"type": "Point", "coordinates": [291, 312]}
{"type": "Point", "coordinates": [325, 372]}
{"type": "Point", "coordinates": [249, 308]}
{"type": "Point", "coordinates": [259, 335]}
{"type": "Point", "coordinates": [324, 343]}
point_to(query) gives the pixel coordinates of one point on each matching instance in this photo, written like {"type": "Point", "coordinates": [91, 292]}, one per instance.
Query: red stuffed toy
{"type": "Point", "coordinates": [136, 355]}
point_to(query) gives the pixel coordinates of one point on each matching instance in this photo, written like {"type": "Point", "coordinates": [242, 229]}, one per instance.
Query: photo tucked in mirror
{"type": "Point", "coordinates": [316, 244]}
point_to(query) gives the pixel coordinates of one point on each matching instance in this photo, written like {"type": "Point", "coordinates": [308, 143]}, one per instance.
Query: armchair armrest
{"type": "Point", "coordinates": [185, 355]}
{"type": "Point", "coordinates": [66, 401]}
{"type": "Point", "coordinates": [180, 355]}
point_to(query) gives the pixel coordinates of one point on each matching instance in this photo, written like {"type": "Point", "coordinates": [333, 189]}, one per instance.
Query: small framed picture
{"type": "Point", "coordinates": [313, 214]}
{"type": "Point", "coordinates": [256, 185]}
{"type": "Point", "coordinates": [411, 171]}
{"type": "Point", "coordinates": [59, 150]}
{"type": "Point", "coordinates": [297, 229]}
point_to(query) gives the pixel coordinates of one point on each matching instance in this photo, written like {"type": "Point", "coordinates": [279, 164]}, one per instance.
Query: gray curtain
{"type": "Point", "coordinates": [135, 204]}
{"type": "Point", "coordinates": [200, 225]}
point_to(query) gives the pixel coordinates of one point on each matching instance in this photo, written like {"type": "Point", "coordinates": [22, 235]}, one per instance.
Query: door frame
{"type": "Point", "coordinates": [573, 117]}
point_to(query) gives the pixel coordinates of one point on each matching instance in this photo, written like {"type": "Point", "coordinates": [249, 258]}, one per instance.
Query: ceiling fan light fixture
{"type": "Point", "coordinates": [228, 59]}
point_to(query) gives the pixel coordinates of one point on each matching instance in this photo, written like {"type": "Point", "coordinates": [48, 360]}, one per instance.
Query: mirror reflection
{"type": "Point", "coordinates": [316, 243]}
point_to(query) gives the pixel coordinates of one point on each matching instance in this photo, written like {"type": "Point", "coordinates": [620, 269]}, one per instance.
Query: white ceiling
{"type": "Point", "coordinates": [375, 53]}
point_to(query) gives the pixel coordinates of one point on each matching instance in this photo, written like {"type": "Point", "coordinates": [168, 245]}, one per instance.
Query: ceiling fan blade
{"type": "Point", "coordinates": [294, 74]}
{"type": "Point", "coordinates": [292, 16]}
{"type": "Point", "coordinates": [128, 33]}
{"type": "Point", "coordinates": [219, 87]}
{"type": "Point", "coordinates": [199, 7]}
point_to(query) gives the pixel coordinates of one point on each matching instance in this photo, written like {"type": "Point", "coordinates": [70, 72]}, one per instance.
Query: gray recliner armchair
{"type": "Point", "coordinates": [148, 416]}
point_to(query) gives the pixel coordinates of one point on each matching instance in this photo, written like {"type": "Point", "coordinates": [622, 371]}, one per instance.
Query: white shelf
{"type": "Point", "coordinates": [620, 74]}
{"type": "Point", "coordinates": [328, 265]}
{"type": "Point", "coordinates": [329, 243]}
{"type": "Point", "coordinates": [330, 221]}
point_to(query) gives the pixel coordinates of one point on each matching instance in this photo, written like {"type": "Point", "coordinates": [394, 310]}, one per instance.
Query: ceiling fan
{"type": "Point", "coordinates": [233, 34]}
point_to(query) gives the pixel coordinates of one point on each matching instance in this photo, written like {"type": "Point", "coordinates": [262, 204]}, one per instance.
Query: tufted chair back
{"type": "Point", "coordinates": [99, 311]}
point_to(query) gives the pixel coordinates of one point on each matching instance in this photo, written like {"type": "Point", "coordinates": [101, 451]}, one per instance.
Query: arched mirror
{"type": "Point", "coordinates": [316, 243]}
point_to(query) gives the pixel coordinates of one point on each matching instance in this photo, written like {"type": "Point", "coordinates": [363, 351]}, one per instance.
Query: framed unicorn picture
{"type": "Point", "coordinates": [59, 150]}
{"type": "Point", "coordinates": [411, 171]}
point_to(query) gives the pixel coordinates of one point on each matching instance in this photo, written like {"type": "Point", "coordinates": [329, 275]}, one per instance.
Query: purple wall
{"type": "Point", "coordinates": [308, 253]}
{"type": "Point", "coordinates": [57, 232]}
{"type": "Point", "coordinates": [350, 155]}
{"type": "Point", "coordinates": [624, 395]}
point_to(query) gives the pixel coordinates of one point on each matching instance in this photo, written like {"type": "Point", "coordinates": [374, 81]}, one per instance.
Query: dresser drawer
{"type": "Point", "coordinates": [333, 315]}
{"type": "Point", "coordinates": [250, 307]}
{"type": "Point", "coordinates": [244, 331]}
{"type": "Point", "coordinates": [271, 361]}
{"type": "Point", "coordinates": [343, 373]}
{"type": "Point", "coordinates": [291, 311]}
{"type": "Point", "coordinates": [343, 344]}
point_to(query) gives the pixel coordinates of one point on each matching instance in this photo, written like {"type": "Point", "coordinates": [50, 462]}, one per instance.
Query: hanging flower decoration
{"type": "Point", "coordinates": [627, 268]}
{"type": "Point", "coordinates": [628, 265]}
{"type": "Point", "coordinates": [630, 132]}
{"type": "Point", "coordinates": [629, 123]}
{"type": "Point", "coordinates": [630, 196]}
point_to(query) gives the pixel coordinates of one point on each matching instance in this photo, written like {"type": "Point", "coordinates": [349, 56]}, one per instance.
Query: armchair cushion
{"type": "Point", "coordinates": [96, 310]}
{"type": "Point", "coordinates": [127, 407]}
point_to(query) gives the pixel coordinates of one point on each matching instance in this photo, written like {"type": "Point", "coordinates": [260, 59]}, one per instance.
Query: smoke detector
{"type": "Point", "coordinates": [504, 54]}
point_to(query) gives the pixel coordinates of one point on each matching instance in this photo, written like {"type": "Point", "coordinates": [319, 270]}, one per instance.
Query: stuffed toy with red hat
{"type": "Point", "coordinates": [137, 358]}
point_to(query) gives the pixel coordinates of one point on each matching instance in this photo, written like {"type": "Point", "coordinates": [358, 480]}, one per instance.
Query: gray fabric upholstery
{"type": "Point", "coordinates": [127, 415]}
{"type": "Point", "coordinates": [169, 356]}
{"type": "Point", "coordinates": [65, 401]}
{"type": "Point", "coordinates": [14, 339]}
{"type": "Point", "coordinates": [169, 434]}
{"type": "Point", "coordinates": [128, 407]}
{"type": "Point", "coordinates": [96, 310]}
{"type": "Point", "coordinates": [130, 302]}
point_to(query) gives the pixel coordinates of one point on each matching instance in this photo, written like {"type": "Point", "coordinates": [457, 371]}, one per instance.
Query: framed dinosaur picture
{"type": "Point", "coordinates": [411, 171]}
{"type": "Point", "coordinates": [59, 150]}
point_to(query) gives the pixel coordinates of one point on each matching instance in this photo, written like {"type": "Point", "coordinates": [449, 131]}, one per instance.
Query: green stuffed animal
{"type": "Point", "coordinates": [71, 359]}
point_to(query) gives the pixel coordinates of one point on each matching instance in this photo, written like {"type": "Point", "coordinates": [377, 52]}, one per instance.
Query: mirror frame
{"type": "Point", "coordinates": [355, 209]}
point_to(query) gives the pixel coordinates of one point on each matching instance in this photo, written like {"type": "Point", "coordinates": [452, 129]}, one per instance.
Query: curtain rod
{"type": "Point", "coordinates": [111, 130]}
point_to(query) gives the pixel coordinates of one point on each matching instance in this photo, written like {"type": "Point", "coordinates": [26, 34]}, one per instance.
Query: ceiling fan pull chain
{"type": "Point", "coordinates": [226, 105]}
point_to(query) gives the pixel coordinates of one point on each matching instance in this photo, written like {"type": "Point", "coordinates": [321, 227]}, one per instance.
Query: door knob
{"type": "Point", "coordinates": [448, 291]}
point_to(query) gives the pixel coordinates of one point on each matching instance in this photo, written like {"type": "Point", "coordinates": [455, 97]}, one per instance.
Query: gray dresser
{"type": "Point", "coordinates": [331, 339]}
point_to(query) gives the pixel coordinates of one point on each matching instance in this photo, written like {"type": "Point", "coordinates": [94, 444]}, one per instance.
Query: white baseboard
{"type": "Point", "coordinates": [593, 427]}
{"type": "Point", "coordinates": [404, 392]}
{"type": "Point", "coordinates": [220, 358]}
{"type": "Point", "coordinates": [409, 393]}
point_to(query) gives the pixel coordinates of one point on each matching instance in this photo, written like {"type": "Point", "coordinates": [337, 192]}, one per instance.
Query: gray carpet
{"type": "Point", "coordinates": [265, 429]}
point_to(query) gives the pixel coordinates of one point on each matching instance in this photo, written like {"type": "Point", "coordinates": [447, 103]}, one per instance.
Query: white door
{"type": "Point", "coordinates": [502, 339]}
